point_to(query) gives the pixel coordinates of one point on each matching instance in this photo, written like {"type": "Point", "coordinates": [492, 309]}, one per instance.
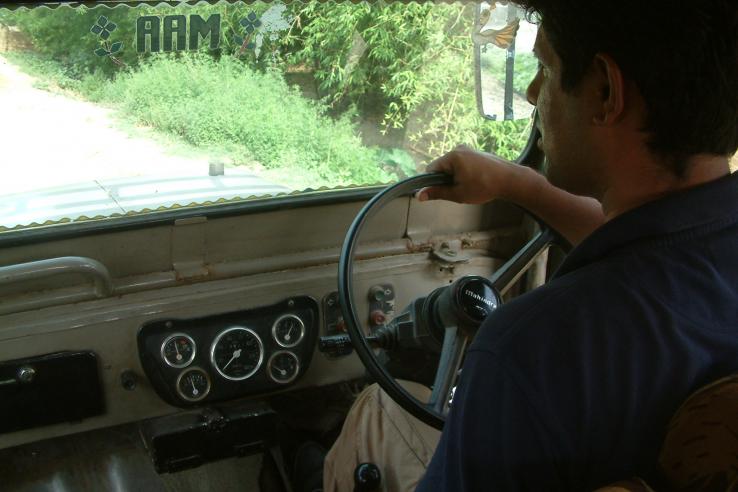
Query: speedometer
{"type": "Point", "coordinates": [237, 353]}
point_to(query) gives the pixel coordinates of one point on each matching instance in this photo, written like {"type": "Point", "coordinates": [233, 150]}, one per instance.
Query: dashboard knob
{"type": "Point", "coordinates": [378, 317]}
{"type": "Point", "coordinates": [26, 374]}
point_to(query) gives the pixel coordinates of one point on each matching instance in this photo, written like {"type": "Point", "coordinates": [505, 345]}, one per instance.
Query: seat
{"type": "Point", "coordinates": [700, 451]}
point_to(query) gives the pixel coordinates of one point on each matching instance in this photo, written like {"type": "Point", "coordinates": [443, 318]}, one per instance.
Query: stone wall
{"type": "Point", "coordinates": [11, 39]}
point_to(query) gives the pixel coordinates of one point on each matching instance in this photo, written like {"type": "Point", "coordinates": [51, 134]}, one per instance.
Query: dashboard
{"type": "Point", "coordinates": [208, 312]}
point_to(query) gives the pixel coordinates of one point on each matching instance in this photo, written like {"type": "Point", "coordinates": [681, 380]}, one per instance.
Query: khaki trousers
{"type": "Point", "coordinates": [378, 431]}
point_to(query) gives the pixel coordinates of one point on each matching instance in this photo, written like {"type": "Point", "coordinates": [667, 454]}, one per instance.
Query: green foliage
{"type": "Point", "coordinates": [398, 161]}
{"type": "Point", "coordinates": [47, 71]}
{"type": "Point", "coordinates": [52, 75]}
{"type": "Point", "coordinates": [507, 138]}
{"type": "Point", "coordinates": [256, 116]}
{"type": "Point", "coordinates": [526, 66]}
{"type": "Point", "coordinates": [416, 59]}
{"type": "Point", "coordinates": [64, 35]}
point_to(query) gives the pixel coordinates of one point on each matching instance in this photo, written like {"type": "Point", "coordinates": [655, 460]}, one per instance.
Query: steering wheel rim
{"type": "Point", "coordinates": [504, 276]}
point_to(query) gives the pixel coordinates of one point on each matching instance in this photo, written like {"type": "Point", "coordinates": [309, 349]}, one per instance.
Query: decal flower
{"type": "Point", "coordinates": [249, 23]}
{"type": "Point", "coordinates": [103, 28]}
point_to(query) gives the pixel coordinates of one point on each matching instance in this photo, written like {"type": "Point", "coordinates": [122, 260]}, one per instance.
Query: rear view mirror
{"type": "Point", "coordinates": [503, 60]}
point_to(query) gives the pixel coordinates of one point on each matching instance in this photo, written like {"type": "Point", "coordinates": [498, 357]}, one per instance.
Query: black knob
{"type": "Point", "coordinates": [128, 380]}
{"type": "Point", "coordinates": [367, 478]}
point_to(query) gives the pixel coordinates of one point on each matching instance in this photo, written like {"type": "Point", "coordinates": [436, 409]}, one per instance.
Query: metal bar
{"type": "Point", "coordinates": [35, 270]}
{"type": "Point", "coordinates": [509, 273]}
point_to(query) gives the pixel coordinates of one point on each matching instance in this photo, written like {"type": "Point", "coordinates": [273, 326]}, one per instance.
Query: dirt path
{"type": "Point", "coordinates": [49, 140]}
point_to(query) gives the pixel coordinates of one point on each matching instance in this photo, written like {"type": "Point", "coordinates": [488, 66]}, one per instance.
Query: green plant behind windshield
{"type": "Point", "coordinates": [253, 116]}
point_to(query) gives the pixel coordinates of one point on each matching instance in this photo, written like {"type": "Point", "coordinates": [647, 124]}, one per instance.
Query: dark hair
{"type": "Point", "coordinates": [681, 54]}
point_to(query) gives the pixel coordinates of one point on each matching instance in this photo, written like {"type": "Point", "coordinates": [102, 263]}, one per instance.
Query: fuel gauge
{"type": "Point", "coordinates": [283, 367]}
{"type": "Point", "coordinates": [178, 350]}
{"type": "Point", "coordinates": [288, 330]}
{"type": "Point", "coordinates": [193, 384]}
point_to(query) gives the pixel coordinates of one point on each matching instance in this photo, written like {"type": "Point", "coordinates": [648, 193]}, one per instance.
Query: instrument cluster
{"type": "Point", "coordinates": [191, 361]}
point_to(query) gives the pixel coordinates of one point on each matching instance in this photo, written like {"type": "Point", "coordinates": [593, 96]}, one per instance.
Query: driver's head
{"type": "Point", "coordinates": [678, 59]}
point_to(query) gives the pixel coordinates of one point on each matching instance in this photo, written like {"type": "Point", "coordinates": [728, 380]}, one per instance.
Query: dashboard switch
{"type": "Point", "coordinates": [335, 345]}
{"type": "Point", "coordinates": [381, 304]}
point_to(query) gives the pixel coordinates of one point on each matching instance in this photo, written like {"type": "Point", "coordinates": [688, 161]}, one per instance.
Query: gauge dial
{"type": "Point", "coordinates": [283, 367]}
{"type": "Point", "coordinates": [288, 330]}
{"type": "Point", "coordinates": [237, 353]}
{"type": "Point", "coordinates": [193, 384]}
{"type": "Point", "coordinates": [178, 350]}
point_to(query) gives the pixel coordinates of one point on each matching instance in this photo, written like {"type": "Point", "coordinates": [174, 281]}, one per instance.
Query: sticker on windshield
{"type": "Point", "coordinates": [104, 28]}
{"type": "Point", "coordinates": [270, 24]}
{"type": "Point", "coordinates": [173, 33]}
{"type": "Point", "coordinates": [168, 33]}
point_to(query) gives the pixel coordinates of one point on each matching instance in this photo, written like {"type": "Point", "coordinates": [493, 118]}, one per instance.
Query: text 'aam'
{"type": "Point", "coordinates": [171, 33]}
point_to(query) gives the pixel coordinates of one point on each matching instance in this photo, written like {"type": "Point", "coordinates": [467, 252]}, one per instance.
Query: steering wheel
{"type": "Point", "coordinates": [444, 321]}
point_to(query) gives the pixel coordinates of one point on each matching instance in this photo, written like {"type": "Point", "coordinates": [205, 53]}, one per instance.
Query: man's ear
{"type": "Point", "coordinates": [611, 93]}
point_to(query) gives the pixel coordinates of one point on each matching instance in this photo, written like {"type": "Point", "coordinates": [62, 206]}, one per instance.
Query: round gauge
{"type": "Point", "coordinates": [193, 384]}
{"type": "Point", "coordinates": [283, 367]}
{"type": "Point", "coordinates": [288, 330]}
{"type": "Point", "coordinates": [237, 353]}
{"type": "Point", "coordinates": [178, 350]}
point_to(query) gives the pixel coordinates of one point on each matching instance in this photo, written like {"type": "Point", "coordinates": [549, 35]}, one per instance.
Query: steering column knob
{"type": "Point", "coordinates": [468, 302]}
{"type": "Point", "coordinates": [367, 478]}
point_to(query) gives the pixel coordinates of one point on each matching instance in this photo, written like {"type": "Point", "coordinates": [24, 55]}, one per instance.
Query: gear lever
{"type": "Point", "coordinates": [367, 478]}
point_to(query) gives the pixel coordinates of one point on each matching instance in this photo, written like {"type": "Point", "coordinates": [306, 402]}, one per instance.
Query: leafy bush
{"type": "Point", "coordinates": [415, 59]}
{"type": "Point", "coordinates": [256, 116]}
{"type": "Point", "coordinates": [63, 35]}
{"type": "Point", "coordinates": [49, 71]}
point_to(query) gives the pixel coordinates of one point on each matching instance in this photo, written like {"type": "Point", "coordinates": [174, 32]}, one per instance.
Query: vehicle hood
{"type": "Point", "coordinates": [106, 197]}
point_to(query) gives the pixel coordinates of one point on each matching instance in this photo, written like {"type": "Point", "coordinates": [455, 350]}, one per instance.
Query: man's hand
{"type": "Point", "coordinates": [478, 177]}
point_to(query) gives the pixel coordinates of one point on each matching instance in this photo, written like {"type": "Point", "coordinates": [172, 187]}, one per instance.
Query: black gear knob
{"type": "Point", "coordinates": [367, 478]}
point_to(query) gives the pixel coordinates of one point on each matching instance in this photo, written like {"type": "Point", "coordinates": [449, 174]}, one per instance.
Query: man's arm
{"type": "Point", "coordinates": [480, 178]}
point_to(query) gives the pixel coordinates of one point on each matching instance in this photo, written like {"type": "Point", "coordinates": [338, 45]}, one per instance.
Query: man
{"type": "Point", "coordinates": [571, 386]}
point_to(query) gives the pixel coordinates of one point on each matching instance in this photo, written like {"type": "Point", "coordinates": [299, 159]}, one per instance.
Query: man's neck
{"type": "Point", "coordinates": [650, 182]}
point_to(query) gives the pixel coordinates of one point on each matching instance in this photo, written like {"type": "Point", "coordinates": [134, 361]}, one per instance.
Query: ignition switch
{"type": "Point", "coordinates": [381, 304]}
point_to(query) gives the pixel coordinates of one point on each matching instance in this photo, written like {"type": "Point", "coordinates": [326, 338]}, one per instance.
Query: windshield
{"type": "Point", "coordinates": [116, 110]}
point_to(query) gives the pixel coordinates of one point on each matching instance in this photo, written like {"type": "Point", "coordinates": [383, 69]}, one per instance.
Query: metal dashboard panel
{"type": "Point", "coordinates": [205, 333]}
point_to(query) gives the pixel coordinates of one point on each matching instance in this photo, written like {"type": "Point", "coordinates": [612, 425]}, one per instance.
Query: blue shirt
{"type": "Point", "coordinates": [571, 386]}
